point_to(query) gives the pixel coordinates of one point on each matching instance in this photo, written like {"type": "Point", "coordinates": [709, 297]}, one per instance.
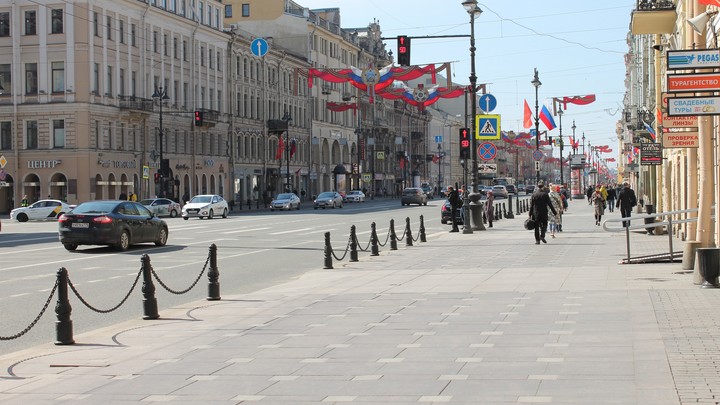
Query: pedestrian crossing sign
{"type": "Point", "coordinates": [487, 127]}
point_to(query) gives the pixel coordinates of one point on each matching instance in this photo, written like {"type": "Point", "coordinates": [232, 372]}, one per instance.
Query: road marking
{"type": "Point", "coordinates": [292, 231]}
{"type": "Point", "coordinates": [246, 230]}
{"type": "Point", "coordinates": [18, 295]}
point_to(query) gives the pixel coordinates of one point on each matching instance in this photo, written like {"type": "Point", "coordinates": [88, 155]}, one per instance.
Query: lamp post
{"type": "Point", "coordinates": [562, 178]}
{"type": "Point", "coordinates": [471, 6]}
{"type": "Point", "coordinates": [160, 94]}
{"type": "Point", "coordinates": [536, 82]}
{"type": "Point", "coordinates": [440, 158]}
{"type": "Point", "coordinates": [573, 146]}
{"type": "Point", "coordinates": [287, 118]}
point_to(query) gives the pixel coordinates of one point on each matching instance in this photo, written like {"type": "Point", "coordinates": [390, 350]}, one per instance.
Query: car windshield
{"type": "Point", "coordinates": [201, 199]}
{"type": "Point", "coordinates": [95, 207]}
{"type": "Point", "coordinates": [146, 202]}
{"type": "Point", "coordinates": [353, 193]}
{"type": "Point", "coordinates": [285, 196]}
{"type": "Point", "coordinates": [326, 195]}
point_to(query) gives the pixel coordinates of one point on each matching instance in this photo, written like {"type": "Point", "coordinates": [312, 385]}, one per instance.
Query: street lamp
{"type": "Point", "coordinates": [471, 6]}
{"type": "Point", "coordinates": [287, 118]}
{"type": "Point", "coordinates": [574, 149]}
{"type": "Point", "coordinates": [160, 94]}
{"type": "Point", "coordinates": [440, 157]}
{"type": "Point", "coordinates": [562, 178]}
{"type": "Point", "coordinates": [536, 82]}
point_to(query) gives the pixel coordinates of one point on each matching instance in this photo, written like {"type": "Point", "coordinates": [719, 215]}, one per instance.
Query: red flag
{"type": "Point", "coordinates": [279, 151]}
{"type": "Point", "coordinates": [527, 116]}
{"type": "Point", "coordinates": [293, 147]}
{"type": "Point", "coordinates": [710, 2]}
{"type": "Point", "coordinates": [580, 100]}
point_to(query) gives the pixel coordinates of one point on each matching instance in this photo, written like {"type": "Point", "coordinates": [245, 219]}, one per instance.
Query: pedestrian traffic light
{"type": "Point", "coordinates": [464, 143]}
{"type": "Point", "coordinates": [157, 178]}
{"type": "Point", "coordinates": [199, 118]}
{"type": "Point", "coordinates": [403, 50]}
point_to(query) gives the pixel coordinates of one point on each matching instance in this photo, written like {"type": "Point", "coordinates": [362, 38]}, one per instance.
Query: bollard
{"type": "Point", "coordinates": [63, 325]}
{"type": "Point", "coordinates": [408, 233]}
{"type": "Point", "coordinates": [374, 250]}
{"type": "Point", "coordinates": [150, 307]}
{"type": "Point", "coordinates": [504, 211]}
{"type": "Point", "coordinates": [213, 275]}
{"type": "Point", "coordinates": [510, 214]}
{"type": "Point", "coordinates": [423, 238]}
{"type": "Point", "coordinates": [497, 212]}
{"type": "Point", "coordinates": [328, 252]}
{"type": "Point", "coordinates": [708, 262]}
{"type": "Point", "coordinates": [353, 245]}
{"type": "Point", "coordinates": [393, 236]}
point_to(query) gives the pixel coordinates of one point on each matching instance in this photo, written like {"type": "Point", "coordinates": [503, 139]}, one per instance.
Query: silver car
{"type": "Point", "coordinates": [285, 201]}
{"type": "Point", "coordinates": [162, 207]}
{"type": "Point", "coordinates": [328, 199]}
{"type": "Point", "coordinates": [413, 195]}
{"type": "Point", "coordinates": [205, 206]}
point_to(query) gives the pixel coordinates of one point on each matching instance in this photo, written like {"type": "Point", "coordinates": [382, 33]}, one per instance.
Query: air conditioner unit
{"type": "Point", "coordinates": [234, 27]}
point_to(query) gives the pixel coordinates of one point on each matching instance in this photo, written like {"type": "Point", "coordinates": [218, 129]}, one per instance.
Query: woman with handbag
{"type": "Point", "coordinates": [599, 204]}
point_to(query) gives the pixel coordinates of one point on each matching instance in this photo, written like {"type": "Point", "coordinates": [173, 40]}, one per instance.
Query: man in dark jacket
{"type": "Point", "coordinates": [454, 198]}
{"type": "Point", "coordinates": [539, 205]}
{"type": "Point", "coordinates": [626, 200]}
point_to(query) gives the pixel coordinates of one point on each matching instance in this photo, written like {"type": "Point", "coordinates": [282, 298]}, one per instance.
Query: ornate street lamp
{"type": "Point", "coordinates": [536, 82]}
{"type": "Point", "coordinates": [160, 94]}
{"type": "Point", "coordinates": [562, 178]}
{"type": "Point", "coordinates": [287, 118]}
{"type": "Point", "coordinates": [471, 6]}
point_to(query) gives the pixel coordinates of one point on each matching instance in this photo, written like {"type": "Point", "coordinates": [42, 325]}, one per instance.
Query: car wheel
{"type": "Point", "coordinates": [298, 207]}
{"type": "Point", "coordinates": [333, 205]}
{"type": "Point", "coordinates": [173, 213]}
{"type": "Point", "coordinates": [124, 241]}
{"type": "Point", "coordinates": [186, 218]}
{"type": "Point", "coordinates": [162, 237]}
{"type": "Point", "coordinates": [341, 205]}
{"type": "Point", "coordinates": [70, 246]}
{"type": "Point", "coordinates": [224, 215]}
{"type": "Point", "coordinates": [443, 221]}
{"type": "Point", "coordinates": [272, 209]}
{"type": "Point", "coordinates": [425, 203]}
{"type": "Point", "coordinates": [211, 214]}
{"type": "Point", "coordinates": [22, 217]}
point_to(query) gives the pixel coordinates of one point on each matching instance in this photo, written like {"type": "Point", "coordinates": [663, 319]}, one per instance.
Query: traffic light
{"type": "Point", "coordinates": [199, 118]}
{"type": "Point", "coordinates": [157, 178]}
{"type": "Point", "coordinates": [403, 50]}
{"type": "Point", "coordinates": [464, 143]}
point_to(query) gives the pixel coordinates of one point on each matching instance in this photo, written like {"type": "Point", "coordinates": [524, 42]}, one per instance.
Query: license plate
{"type": "Point", "coordinates": [193, 211]}
{"type": "Point", "coordinates": [80, 225]}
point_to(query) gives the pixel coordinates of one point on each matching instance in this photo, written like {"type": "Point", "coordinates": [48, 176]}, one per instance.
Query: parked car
{"type": "Point", "coordinates": [162, 207]}
{"type": "Point", "coordinates": [413, 195]}
{"type": "Point", "coordinates": [428, 191]}
{"type": "Point", "coordinates": [511, 189]}
{"type": "Point", "coordinates": [285, 201]}
{"type": "Point", "coordinates": [520, 188]}
{"type": "Point", "coordinates": [529, 188]}
{"type": "Point", "coordinates": [328, 199]}
{"type": "Point", "coordinates": [355, 196]}
{"type": "Point", "coordinates": [41, 211]}
{"type": "Point", "coordinates": [115, 223]}
{"type": "Point", "coordinates": [205, 206]}
{"type": "Point", "coordinates": [499, 192]}
{"type": "Point", "coordinates": [446, 214]}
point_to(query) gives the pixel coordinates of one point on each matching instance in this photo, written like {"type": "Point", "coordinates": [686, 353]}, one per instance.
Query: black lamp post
{"type": "Point", "coordinates": [160, 94]}
{"type": "Point", "coordinates": [440, 158]}
{"type": "Point", "coordinates": [471, 6]}
{"type": "Point", "coordinates": [574, 149]}
{"type": "Point", "coordinates": [287, 118]}
{"type": "Point", "coordinates": [562, 177]}
{"type": "Point", "coordinates": [536, 82]}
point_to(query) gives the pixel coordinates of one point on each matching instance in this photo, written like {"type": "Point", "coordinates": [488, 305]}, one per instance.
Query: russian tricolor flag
{"type": "Point", "coordinates": [547, 118]}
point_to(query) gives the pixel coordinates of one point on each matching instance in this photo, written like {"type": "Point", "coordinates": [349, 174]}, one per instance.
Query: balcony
{"type": "Point", "coordinates": [654, 17]}
{"type": "Point", "coordinates": [136, 103]}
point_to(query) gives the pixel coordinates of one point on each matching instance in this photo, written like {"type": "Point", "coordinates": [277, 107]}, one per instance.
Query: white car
{"type": "Point", "coordinates": [41, 211]}
{"type": "Point", "coordinates": [355, 196]}
{"type": "Point", "coordinates": [162, 207]}
{"type": "Point", "coordinates": [285, 201]}
{"type": "Point", "coordinates": [205, 206]}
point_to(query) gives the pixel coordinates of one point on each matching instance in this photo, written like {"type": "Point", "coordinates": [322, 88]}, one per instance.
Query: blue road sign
{"type": "Point", "coordinates": [259, 47]}
{"type": "Point", "coordinates": [487, 102]}
{"type": "Point", "coordinates": [438, 138]}
{"type": "Point", "coordinates": [487, 151]}
{"type": "Point", "coordinates": [537, 155]}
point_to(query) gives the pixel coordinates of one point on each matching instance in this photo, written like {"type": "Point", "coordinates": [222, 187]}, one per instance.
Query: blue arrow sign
{"type": "Point", "coordinates": [259, 47]}
{"type": "Point", "coordinates": [487, 102]}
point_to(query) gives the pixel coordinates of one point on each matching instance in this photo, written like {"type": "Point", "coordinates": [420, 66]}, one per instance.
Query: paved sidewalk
{"type": "Point", "coordinates": [487, 318]}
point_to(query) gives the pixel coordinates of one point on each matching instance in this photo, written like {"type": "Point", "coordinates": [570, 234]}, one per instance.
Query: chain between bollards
{"type": "Point", "coordinates": [423, 238]}
{"type": "Point", "coordinates": [213, 275]}
{"type": "Point", "coordinates": [408, 232]}
{"type": "Point", "coordinates": [63, 309]}
{"type": "Point", "coordinates": [374, 251]}
{"type": "Point", "coordinates": [393, 236]}
{"type": "Point", "coordinates": [150, 306]}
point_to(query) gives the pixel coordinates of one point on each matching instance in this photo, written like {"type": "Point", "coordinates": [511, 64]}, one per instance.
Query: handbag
{"type": "Point", "coordinates": [529, 224]}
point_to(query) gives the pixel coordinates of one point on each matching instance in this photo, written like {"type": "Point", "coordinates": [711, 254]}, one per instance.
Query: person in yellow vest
{"type": "Point", "coordinates": [24, 201]}
{"type": "Point", "coordinates": [132, 196]}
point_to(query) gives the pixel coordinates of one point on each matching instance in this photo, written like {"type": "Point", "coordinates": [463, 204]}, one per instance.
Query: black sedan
{"type": "Point", "coordinates": [114, 223]}
{"type": "Point", "coordinates": [446, 214]}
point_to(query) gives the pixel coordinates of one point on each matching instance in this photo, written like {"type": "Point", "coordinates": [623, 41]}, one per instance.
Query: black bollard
{"type": "Point", "coordinates": [328, 252]}
{"type": "Point", "coordinates": [408, 232]}
{"type": "Point", "coordinates": [63, 325]}
{"type": "Point", "coordinates": [353, 245]}
{"type": "Point", "coordinates": [374, 250]}
{"type": "Point", "coordinates": [150, 307]}
{"type": "Point", "coordinates": [213, 275]}
{"type": "Point", "coordinates": [423, 238]}
{"type": "Point", "coordinates": [393, 236]}
{"type": "Point", "coordinates": [504, 211]}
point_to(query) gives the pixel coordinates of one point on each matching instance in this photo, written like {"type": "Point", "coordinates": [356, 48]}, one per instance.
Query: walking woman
{"type": "Point", "coordinates": [555, 220]}
{"type": "Point", "coordinates": [599, 204]}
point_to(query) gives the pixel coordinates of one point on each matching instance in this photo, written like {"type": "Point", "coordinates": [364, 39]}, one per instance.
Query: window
{"type": "Point", "coordinates": [133, 35]}
{"type": "Point", "coordinates": [246, 10]}
{"type": "Point", "coordinates": [31, 135]}
{"type": "Point", "coordinates": [5, 78]}
{"type": "Point", "coordinates": [121, 87]}
{"type": "Point", "coordinates": [133, 83]}
{"type": "Point", "coordinates": [123, 138]}
{"type": "Point", "coordinates": [175, 48]}
{"type": "Point", "coordinates": [219, 61]}
{"type": "Point", "coordinates": [165, 45]}
{"type": "Point", "coordinates": [210, 58]}
{"type": "Point", "coordinates": [31, 78]}
{"type": "Point", "coordinates": [5, 135]}
{"type": "Point", "coordinates": [96, 78]}
{"type": "Point", "coordinates": [96, 24]}
{"type": "Point", "coordinates": [31, 22]}
{"type": "Point", "coordinates": [58, 127]}
{"type": "Point", "coordinates": [121, 31]}
{"type": "Point", "coordinates": [56, 25]}
{"type": "Point", "coordinates": [184, 51]}
{"type": "Point", "coordinates": [4, 24]}
{"type": "Point", "coordinates": [58, 77]}
{"type": "Point", "coordinates": [155, 41]}
{"type": "Point", "coordinates": [202, 56]}
{"type": "Point", "coordinates": [109, 84]}
{"type": "Point", "coordinates": [108, 27]}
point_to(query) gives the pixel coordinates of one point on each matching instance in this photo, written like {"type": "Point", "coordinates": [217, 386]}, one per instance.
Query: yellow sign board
{"type": "Point", "coordinates": [487, 127]}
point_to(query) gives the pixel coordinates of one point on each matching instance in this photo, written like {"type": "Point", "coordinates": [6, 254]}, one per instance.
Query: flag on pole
{"type": "Point", "coordinates": [710, 2]}
{"type": "Point", "coordinates": [547, 118]}
{"type": "Point", "coordinates": [650, 129]}
{"type": "Point", "coordinates": [527, 116]}
{"type": "Point", "coordinates": [279, 151]}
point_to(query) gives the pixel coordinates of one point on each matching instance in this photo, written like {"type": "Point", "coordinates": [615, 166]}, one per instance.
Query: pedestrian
{"type": "Point", "coordinates": [454, 199]}
{"type": "Point", "coordinates": [588, 193]}
{"type": "Point", "coordinates": [611, 195]}
{"type": "Point", "coordinates": [25, 201]}
{"type": "Point", "coordinates": [489, 209]}
{"type": "Point", "coordinates": [122, 196]}
{"type": "Point", "coordinates": [626, 200]}
{"type": "Point", "coordinates": [186, 197]}
{"type": "Point", "coordinates": [302, 194]}
{"type": "Point", "coordinates": [539, 205]}
{"type": "Point", "coordinates": [555, 220]}
{"type": "Point", "coordinates": [132, 196]}
{"type": "Point", "coordinates": [599, 204]}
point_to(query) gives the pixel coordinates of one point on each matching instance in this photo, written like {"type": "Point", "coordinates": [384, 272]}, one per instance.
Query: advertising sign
{"type": "Point", "coordinates": [695, 58]}
{"type": "Point", "coordinates": [678, 106]}
{"type": "Point", "coordinates": [690, 121]}
{"type": "Point", "coordinates": [487, 168]}
{"type": "Point", "coordinates": [650, 153]}
{"type": "Point", "coordinates": [577, 161]}
{"type": "Point", "coordinates": [693, 82]}
{"type": "Point", "coordinates": [681, 139]}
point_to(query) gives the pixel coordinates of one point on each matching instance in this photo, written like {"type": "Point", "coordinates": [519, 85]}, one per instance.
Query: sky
{"type": "Point", "coordinates": [578, 48]}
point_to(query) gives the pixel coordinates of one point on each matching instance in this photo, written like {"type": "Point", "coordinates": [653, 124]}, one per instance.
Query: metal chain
{"type": "Point", "coordinates": [387, 238]}
{"type": "Point", "coordinates": [360, 247]}
{"type": "Point", "coordinates": [42, 311]}
{"type": "Point", "coordinates": [187, 289]}
{"type": "Point", "coordinates": [105, 311]}
{"type": "Point", "coordinates": [347, 249]}
{"type": "Point", "coordinates": [402, 236]}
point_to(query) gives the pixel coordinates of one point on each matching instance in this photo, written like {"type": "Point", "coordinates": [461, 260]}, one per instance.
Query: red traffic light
{"type": "Point", "coordinates": [198, 118]}
{"type": "Point", "coordinates": [464, 143]}
{"type": "Point", "coordinates": [403, 49]}
{"type": "Point", "coordinates": [157, 178]}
